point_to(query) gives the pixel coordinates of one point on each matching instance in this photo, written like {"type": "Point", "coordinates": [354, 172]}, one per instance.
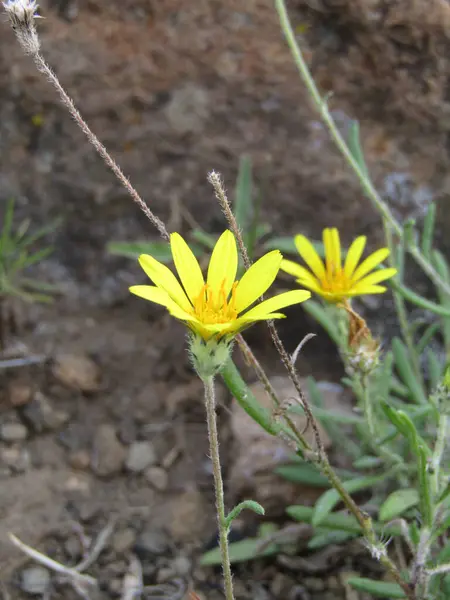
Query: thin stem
{"type": "Point", "coordinates": [43, 67]}
{"type": "Point", "coordinates": [365, 182]}
{"type": "Point", "coordinates": [439, 448]}
{"type": "Point", "coordinates": [211, 419]}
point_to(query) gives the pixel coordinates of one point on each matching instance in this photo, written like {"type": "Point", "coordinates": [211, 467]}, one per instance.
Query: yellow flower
{"type": "Point", "coordinates": [333, 281]}
{"type": "Point", "coordinates": [215, 308]}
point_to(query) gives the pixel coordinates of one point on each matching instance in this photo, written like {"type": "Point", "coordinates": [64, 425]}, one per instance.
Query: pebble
{"type": "Point", "coordinates": [109, 454]}
{"type": "Point", "coordinates": [35, 580]}
{"type": "Point", "coordinates": [17, 459]}
{"type": "Point", "coordinates": [80, 460]}
{"type": "Point", "coordinates": [13, 432]}
{"type": "Point", "coordinates": [19, 394]}
{"type": "Point", "coordinates": [314, 584]}
{"type": "Point", "coordinates": [188, 515]}
{"type": "Point", "coordinates": [42, 416]}
{"type": "Point", "coordinates": [77, 371]}
{"type": "Point", "coordinates": [157, 478]}
{"type": "Point", "coordinates": [123, 540]}
{"type": "Point", "coordinates": [152, 541]}
{"type": "Point", "coordinates": [140, 456]}
{"type": "Point", "coordinates": [182, 565]}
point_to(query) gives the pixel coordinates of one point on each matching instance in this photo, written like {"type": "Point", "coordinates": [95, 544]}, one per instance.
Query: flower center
{"type": "Point", "coordinates": [335, 279]}
{"type": "Point", "coordinates": [214, 306]}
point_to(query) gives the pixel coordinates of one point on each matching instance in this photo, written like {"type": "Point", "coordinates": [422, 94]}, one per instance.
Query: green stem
{"type": "Point", "coordinates": [438, 453]}
{"type": "Point", "coordinates": [365, 182]}
{"type": "Point", "coordinates": [213, 437]}
{"type": "Point", "coordinates": [401, 311]}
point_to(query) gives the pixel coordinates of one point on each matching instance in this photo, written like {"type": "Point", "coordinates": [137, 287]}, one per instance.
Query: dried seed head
{"type": "Point", "coordinates": [22, 15]}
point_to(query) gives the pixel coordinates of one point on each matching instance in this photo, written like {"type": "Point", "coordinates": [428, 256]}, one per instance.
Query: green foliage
{"type": "Point", "coordinates": [18, 254]}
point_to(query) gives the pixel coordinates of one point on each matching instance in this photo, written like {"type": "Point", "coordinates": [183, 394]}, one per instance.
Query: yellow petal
{"type": "Point", "coordinates": [310, 256]}
{"type": "Point", "coordinates": [159, 296]}
{"type": "Point", "coordinates": [277, 302]}
{"type": "Point", "coordinates": [288, 266]}
{"type": "Point", "coordinates": [354, 254]}
{"type": "Point", "coordinates": [332, 246]}
{"type": "Point", "coordinates": [187, 266]}
{"type": "Point", "coordinates": [377, 276]}
{"type": "Point", "coordinates": [365, 290]}
{"type": "Point", "coordinates": [370, 263]}
{"type": "Point", "coordinates": [163, 278]}
{"type": "Point", "coordinates": [257, 279]}
{"type": "Point", "coordinates": [223, 264]}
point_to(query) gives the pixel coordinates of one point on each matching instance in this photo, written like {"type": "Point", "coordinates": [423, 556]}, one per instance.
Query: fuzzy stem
{"type": "Point", "coordinates": [213, 437]}
{"type": "Point", "coordinates": [438, 453]}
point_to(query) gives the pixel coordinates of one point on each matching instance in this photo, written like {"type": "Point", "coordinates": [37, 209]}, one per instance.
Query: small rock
{"type": "Point", "coordinates": [35, 580]}
{"type": "Point", "coordinates": [123, 540]}
{"type": "Point", "coordinates": [42, 416]}
{"type": "Point", "coordinates": [140, 456]}
{"type": "Point", "coordinates": [188, 109]}
{"type": "Point", "coordinates": [152, 541]}
{"type": "Point", "coordinates": [13, 432]}
{"type": "Point", "coordinates": [109, 454]}
{"type": "Point", "coordinates": [182, 565]}
{"type": "Point", "coordinates": [19, 394]}
{"type": "Point", "coordinates": [188, 514]}
{"type": "Point", "coordinates": [157, 478]}
{"type": "Point", "coordinates": [314, 584]}
{"type": "Point", "coordinates": [80, 459]}
{"type": "Point", "coordinates": [17, 459]}
{"type": "Point", "coordinates": [77, 372]}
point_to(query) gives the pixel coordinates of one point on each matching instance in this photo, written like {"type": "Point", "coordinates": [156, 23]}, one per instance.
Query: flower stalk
{"type": "Point", "coordinates": [211, 419]}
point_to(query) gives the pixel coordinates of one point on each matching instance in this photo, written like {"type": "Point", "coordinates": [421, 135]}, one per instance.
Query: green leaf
{"type": "Point", "coordinates": [203, 238]}
{"type": "Point", "coordinates": [243, 207]}
{"type": "Point", "coordinates": [354, 145]}
{"type": "Point", "coordinates": [244, 505]}
{"type": "Point", "coordinates": [335, 521]}
{"type": "Point", "coordinates": [428, 231]}
{"type": "Point", "coordinates": [379, 589]}
{"type": "Point", "coordinates": [426, 506]}
{"type": "Point", "coordinates": [303, 473]}
{"type": "Point", "coordinates": [427, 336]}
{"type": "Point", "coordinates": [435, 368]}
{"type": "Point", "coordinates": [242, 551]}
{"type": "Point", "coordinates": [398, 503]}
{"type": "Point", "coordinates": [329, 499]}
{"type": "Point", "coordinates": [420, 301]}
{"type": "Point", "coordinates": [323, 539]}
{"type": "Point", "coordinates": [283, 244]}
{"type": "Point", "coordinates": [403, 364]}
{"type": "Point", "coordinates": [367, 462]}
{"type": "Point", "coordinates": [405, 425]}
{"type": "Point", "coordinates": [159, 250]}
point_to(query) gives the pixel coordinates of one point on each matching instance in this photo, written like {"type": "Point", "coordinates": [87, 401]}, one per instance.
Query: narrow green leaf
{"type": "Point", "coordinates": [323, 539]}
{"type": "Point", "coordinates": [283, 244]}
{"type": "Point", "coordinates": [335, 521]}
{"type": "Point", "coordinates": [379, 589]}
{"type": "Point", "coordinates": [420, 301]}
{"type": "Point", "coordinates": [243, 551]}
{"type": "Point", "coordinates": [428, 231]}
{"type": "Point", "coordinates": [403, 364]}
{"type": "Point", "coordinates": [435, 368]}
{"type": "Point", "coordinates": [244, 505]}
{"type": "Point", "coordinates": [398, 503]}
{"type": "Point", "coordinates": [159, 250]}
{"type": "Point", "coordinates": [427, 336]}
{"type": "Point", "coordinates": [203, 238]}
{"type": "Point", "coordinates": [426, 506]}
{"type": "Point", "coordinates": [354, 145]}
{"type": "Point", "coordinates": [367, 462]}
{"type": "Point", "coordinates": [329, 499]}
{"type": "Point", "coordinates": [6, 228]}
{"type": "Point", "coordinates": [303, 473]}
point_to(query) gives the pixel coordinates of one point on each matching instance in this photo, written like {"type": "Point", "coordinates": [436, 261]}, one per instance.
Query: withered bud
{"type": "Point", "coordinates": [363, 349]}
{"type": "Point", "coordinates": [22, 15]}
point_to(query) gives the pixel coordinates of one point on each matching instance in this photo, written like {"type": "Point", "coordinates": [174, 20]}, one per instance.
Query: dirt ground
{"type": "Point", "coordinates": [106, 437]}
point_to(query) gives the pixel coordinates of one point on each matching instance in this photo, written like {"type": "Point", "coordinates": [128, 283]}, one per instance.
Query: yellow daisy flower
{"type": "Point", "coordinates": [215, 308]}
{"type": "Point", "coordinates": [333, 281]}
